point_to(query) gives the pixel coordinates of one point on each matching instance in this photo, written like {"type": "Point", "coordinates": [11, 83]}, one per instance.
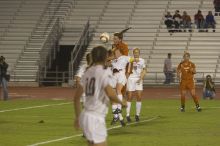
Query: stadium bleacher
{"type": "Point", "coordinates": [22, 24]}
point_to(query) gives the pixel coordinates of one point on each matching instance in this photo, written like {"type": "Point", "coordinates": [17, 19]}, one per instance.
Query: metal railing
{"type": "Point", "coordinates": [159, 78]}
{"type": "Point", "coordinates": [32, 32]}
{"type": "Point", "coordinates": [151, 78]}
{"type": "Point", "coordinates": [49, 48]}
{"type": "Point", "coordinates": [79, 50]}
{"type": "Point", "coordinates": [53, 78]}
{"type": "Point", "coordinates": [51, 13]}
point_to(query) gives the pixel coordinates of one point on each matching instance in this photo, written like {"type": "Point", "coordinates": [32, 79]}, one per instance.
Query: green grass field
{"type": "Point", "coordinates": [22, 127]}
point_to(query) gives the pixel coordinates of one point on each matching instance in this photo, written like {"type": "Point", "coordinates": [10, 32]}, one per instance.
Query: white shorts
{"type": "Point", "coordinates": [132, 84]}
{"type": "Point", "coordinates": [94, 127]}
{"type": "Point", "coordinates": [119, 78]}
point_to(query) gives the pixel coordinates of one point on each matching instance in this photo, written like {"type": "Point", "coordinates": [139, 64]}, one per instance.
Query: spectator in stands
{"type": "Point", "coordinates": [4, 78]}
{"type": "Point", "coordinates": [167, 69]}
{"type": "Point", "coordinates": [217, 6]}
{"type": "Point", "coordinates": [208, 88]}
{"type": "Point", "coordinates": [169, 21]}
{"type": "Point", "coordinates": [177, 20]}
{"type": "Point", "coordinates": [199, 20]}
{"type": "Point", "coordinates": [186, 21]}
{"type": "Point", "coordinates": [210, 21]}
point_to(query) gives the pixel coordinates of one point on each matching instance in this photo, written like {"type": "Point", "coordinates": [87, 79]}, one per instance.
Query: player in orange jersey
{"type": "Point", "coordinates": [185, 72]}
{"type": "Point", "coordinates": [118, 42]}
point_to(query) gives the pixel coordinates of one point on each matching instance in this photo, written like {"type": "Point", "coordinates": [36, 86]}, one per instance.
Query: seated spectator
{"type": "Point", "coordinates": [199, 20]}
{"type": "Point", "coordinates": [186, 21]}
{"type": "Point", "coordinates": [217, 6]}
{"type": "Point", "coordinates": [177, 19]}
{"type": "Point", "coordinates": [169, 21]}
{"type": "Point", "coordinates": [210, 21]}
{"type": "Point", "coordinates": [208, 88]}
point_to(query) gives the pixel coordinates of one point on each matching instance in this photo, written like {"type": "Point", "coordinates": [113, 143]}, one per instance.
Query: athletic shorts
{"type": "Point", "coordinates": [94, 127]}
{"type": "Point", "coordinates": [132, 84]}
{"type": "Point", "coordinates": [187, 85]}
{"type": "Point", "coordinates": [119, 78]}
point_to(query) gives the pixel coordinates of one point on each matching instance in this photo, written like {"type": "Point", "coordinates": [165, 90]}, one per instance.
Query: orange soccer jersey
{"type": "Point", "coordinates": [123, 47]}
{"type": "Point", "coordinates": [187, 76]}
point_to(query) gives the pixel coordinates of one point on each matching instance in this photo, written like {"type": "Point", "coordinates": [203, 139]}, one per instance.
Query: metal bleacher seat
{"type": "Point", "coordinates": [150, 34]}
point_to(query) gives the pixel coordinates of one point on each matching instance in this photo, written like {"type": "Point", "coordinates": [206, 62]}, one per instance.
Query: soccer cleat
{"type": "Point", "coordinates": [182, 109]}
{"type": "Point", "coordinates": [114, 120]}
{"type": "Point", "coordinates": [137, 119]}
{"type": "Point", "coordinates": [122, 123]}
{"type": "Point", "coordinates": [128, 119]}
{"type": "Point", "coordinates": [198, 108]}
{"type": "Point", "coordinates": [117, 111]}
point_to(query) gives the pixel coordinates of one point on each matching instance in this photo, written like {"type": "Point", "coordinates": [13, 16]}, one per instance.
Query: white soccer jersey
{"type": "Point", "coordinates": [137, 68]}
{"type": "Point", "coordinates": [120, 63]}
{"type": "Point", "coordinates": [94, 81]}
{"type": "Point", "coordinates": [81, 70]}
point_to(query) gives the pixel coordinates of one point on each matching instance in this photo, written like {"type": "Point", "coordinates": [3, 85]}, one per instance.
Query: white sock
{"type": "Point", "coordinates": [128, 109]}
{"type": "Point", "coordinates": [120, 116]}
{"type": "Point", "coordinates": [114, 107]}
{"type": "Point", "coordinates": [120, 97]}
{"type": "Point", "coordinates": [138, 108]}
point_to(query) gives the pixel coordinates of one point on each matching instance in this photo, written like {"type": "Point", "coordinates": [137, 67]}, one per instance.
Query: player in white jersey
{"type": "Point", "coordinates": [135, 84]}
{"type": "Point", "coordinates": [81, 72]}
{"type": "Point", "coordinates": [119, 71]}
{"type": "Point", "coordinates": [96, 84]}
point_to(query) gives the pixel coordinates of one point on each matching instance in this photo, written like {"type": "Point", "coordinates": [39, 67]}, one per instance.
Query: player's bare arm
{"type": "Point", "coordinates": [143, 73]}
{"type": "Point", "coordinates": [77, 107]}
{"type": "Point", "coordinates": [178, 73]}
{"type": "Point", "coordinates": [77, 80]}
{"type": "Point", "coordinates": [193, 70]}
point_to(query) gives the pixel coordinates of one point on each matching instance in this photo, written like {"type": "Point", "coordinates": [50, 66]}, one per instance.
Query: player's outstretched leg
{"type": "Point", "coordinates": [183, 98]}
{"type": "Point", "coordinates": [115, 113]}
{"type": "Point", "coordinates": [138, 105]}
{"type": "Point", "coordinates": [196, 100]}
{"type": "Point", "coordinates": [120, 114]}
{"type": "Point", "coordinates": [128, 109]}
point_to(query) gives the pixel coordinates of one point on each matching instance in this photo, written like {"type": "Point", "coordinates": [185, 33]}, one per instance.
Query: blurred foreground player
{"type": "Point", "coordinates": [81, 72]}
{"type": "Point", "coordinates": [96, 84]}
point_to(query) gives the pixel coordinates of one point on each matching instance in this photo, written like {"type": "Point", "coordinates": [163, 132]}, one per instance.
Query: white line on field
{"type": "Point", "coordinates": [32, 107]}
{"type": "Point", "coordinates": [78, 135]}
{"type": "Point", "coordinates": [215, 107]}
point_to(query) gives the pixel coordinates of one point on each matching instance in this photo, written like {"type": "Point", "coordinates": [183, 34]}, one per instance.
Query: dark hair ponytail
{"type": "Point", "coordinates": [120, 34]}
{"type": "Point", "coordinates": [99, 54]}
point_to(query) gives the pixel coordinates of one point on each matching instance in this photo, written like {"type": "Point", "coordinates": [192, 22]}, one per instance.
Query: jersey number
{"type": "Point", "coordinates": [90, 87]}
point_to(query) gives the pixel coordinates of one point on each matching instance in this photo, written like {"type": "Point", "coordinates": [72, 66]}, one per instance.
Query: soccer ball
{"type": "Point", "coordinates": [104, 37]}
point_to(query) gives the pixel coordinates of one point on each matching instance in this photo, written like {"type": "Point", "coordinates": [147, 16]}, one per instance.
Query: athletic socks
{"type": "Point", "coordinates": [138, 108]}
{"type": "Point", "coordinates": [114, 107]}
{"type": "Point", "coordinates": [128, 109]}
{"type": "Point", "coordinates": [119, 106]}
